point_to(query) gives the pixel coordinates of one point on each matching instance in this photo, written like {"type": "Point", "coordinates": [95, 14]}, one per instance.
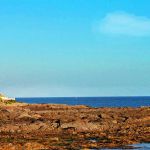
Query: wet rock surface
{"type": "Point", "coordinates": [56, 127]}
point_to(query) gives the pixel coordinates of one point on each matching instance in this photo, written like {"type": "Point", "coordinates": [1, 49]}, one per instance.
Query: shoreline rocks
{"type": "Point", "coordinates": [54, 126]}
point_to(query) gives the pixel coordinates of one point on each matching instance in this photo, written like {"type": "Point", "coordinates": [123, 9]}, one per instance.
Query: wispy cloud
{"type": "Point", "coordinates": [121, 23]}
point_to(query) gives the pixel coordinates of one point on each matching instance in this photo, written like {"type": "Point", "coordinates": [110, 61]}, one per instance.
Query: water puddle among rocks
{"type": "Point", "coordinates": [140, 146]}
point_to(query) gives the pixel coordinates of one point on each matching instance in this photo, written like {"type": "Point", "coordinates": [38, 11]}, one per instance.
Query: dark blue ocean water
{"type": "Point", "coordinates": [92, 101]}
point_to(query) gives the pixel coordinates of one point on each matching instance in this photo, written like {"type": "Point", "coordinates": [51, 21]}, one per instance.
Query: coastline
{"type": "Point", "coordinates": [56, 126]}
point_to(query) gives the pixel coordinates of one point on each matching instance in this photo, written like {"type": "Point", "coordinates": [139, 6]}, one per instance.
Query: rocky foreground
{"type": "Point", "coordinates": [58, 127]}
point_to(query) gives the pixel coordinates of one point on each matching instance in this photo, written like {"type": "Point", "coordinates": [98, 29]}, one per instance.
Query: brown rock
{"type": "Point", "coordinates": [48, 126]}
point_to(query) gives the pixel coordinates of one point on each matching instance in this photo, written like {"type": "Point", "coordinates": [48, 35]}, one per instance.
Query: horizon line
{"type": "Point", "coordinates": [79, 96]}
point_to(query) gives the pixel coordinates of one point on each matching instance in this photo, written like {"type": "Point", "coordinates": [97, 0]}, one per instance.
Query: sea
{"type": "Point", "coordinates": [122, 101]}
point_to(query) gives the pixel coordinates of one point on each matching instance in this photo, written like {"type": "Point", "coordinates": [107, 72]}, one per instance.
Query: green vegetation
{"type": "Point", "coordinates": [10, 102]}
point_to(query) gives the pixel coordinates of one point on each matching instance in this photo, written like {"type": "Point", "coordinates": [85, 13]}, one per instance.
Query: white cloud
{"type": "Point", "coordinates": [121, 23]}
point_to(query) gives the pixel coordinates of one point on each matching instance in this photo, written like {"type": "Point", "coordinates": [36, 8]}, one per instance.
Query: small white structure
{"type": "Point", "coordinates": [5, 98]}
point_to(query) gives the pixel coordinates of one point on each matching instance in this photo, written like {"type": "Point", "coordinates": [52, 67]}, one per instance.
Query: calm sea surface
{"type": "Point", "coordinates": [92, 101]}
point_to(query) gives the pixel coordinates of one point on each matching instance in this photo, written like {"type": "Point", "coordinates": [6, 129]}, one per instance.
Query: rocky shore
{"type": "Point", "coordinates": [59, 127]}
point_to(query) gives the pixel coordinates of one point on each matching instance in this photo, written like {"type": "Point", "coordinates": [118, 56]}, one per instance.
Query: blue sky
{"type": "Point", "coordinates": [74, 47]}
